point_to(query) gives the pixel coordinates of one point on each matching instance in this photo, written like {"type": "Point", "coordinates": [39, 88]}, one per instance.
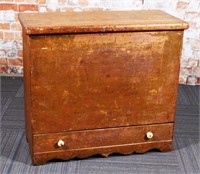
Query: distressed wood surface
{"type": "Point", "coordinates": [101, 137]}
{"type": "Point", "coordinates": [163, 146]}
{"type": "Point", "coordinates": [103, 80]}
{"type": "Point", "coordinates": [100, 92]}
{"type": "Point", "coordinates": [99, 21]}
{"type": "Point", "coordinates": [27, 92]}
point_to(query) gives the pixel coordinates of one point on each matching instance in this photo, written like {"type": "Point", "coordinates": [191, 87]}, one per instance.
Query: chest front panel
{"type": "Point", "coordinates": [88, 81]}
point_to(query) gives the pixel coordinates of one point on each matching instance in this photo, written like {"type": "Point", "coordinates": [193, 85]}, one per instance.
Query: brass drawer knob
{"type": "Point", "coordinates": [60, 143]}
{"type": "Point", "coordinates": [149, 135]}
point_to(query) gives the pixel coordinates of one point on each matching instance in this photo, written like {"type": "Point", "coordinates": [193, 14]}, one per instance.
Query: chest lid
{"type": "Point", "coordinates": [99, 21]}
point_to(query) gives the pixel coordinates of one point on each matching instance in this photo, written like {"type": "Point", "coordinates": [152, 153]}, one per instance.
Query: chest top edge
{"type": "Point", "coordinates": [99, 21]}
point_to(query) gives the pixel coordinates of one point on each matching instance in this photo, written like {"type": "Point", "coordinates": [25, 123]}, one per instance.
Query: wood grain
{"type": "Point", "coordinates": [163, 146]}
{"type": "Point", "coordinates": [99, 21]}
{"type": "Point", "coordinates": [102, 137]}
{"type": "Point", "coordinates": [103, 80]}
{"type": "Point", "coordinates": [27, 92]}
{"type": "Point", "coordinates": [100, 81]}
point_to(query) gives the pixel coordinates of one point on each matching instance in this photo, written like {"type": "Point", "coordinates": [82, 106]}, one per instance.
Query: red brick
{"type": "Point", "coordinates": [32, 1]}
{"type": "Point", "coordinates": [16, 26]}
{"type": "Point", "coordinates": [18, 35]}
{"type": "Point", "coordinates": [41, 2]}
{"type": "Point", "coordinates": [20, 53]}
{"type": "Point", "coordinates": [17, 17]}
{"type": "Point", "coordinates": [182, 80]}
{"type": "Point", "coordinates": [8, 35]}
{"type": "Point", "coordinates": [1, 35]}
{"type": "Point", "coordinates": [83, 2]}
{"type": "Point", "coordinates": [20, 0]}
{"type": "Point", "coordinates": [5, 26]}
{"type": "Point", "coordinates": [5, 6]}
{"type": "Point", "coordinates": [28, 7]}
{"type": "Point", "coordinates": [3, 61]}
{"type": "Point", "coordinates": [3, 69]}
{"type": "Point", "coordinates": [15, 62]}
{"type": "Point", "coordinates": [9, 0]}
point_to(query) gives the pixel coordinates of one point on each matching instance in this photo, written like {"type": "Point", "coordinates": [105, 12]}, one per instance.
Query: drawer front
{"type": "Point", "coordinates": [106, 80]}
{"type": "Point", "coordinates": [102, 138]}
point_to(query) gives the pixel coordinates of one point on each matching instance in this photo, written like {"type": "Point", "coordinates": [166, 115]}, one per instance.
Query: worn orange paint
{"type": "Point", "coordinates": [98, 21]}
{"type": "Point", "coordinates": [102, 81]}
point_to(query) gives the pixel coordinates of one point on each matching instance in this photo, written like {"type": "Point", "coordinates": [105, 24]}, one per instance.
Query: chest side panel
{"type": "Point", "coordinates": [88, 81]}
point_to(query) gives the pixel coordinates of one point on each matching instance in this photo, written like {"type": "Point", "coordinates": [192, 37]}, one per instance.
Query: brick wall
{"type": "Point", "coordinates": [11, 40]}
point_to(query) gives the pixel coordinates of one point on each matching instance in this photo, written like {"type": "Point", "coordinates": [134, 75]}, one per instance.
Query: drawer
{"type": "Point", "coordinates": [111, 137]}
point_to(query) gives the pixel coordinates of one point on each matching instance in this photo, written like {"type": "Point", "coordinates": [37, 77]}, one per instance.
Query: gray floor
{"type": "Point", "coordinates": [183, 159]}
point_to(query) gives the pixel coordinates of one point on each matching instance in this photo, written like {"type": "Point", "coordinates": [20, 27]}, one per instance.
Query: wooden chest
{"type": "Point", "coordinates": [100, 82]}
